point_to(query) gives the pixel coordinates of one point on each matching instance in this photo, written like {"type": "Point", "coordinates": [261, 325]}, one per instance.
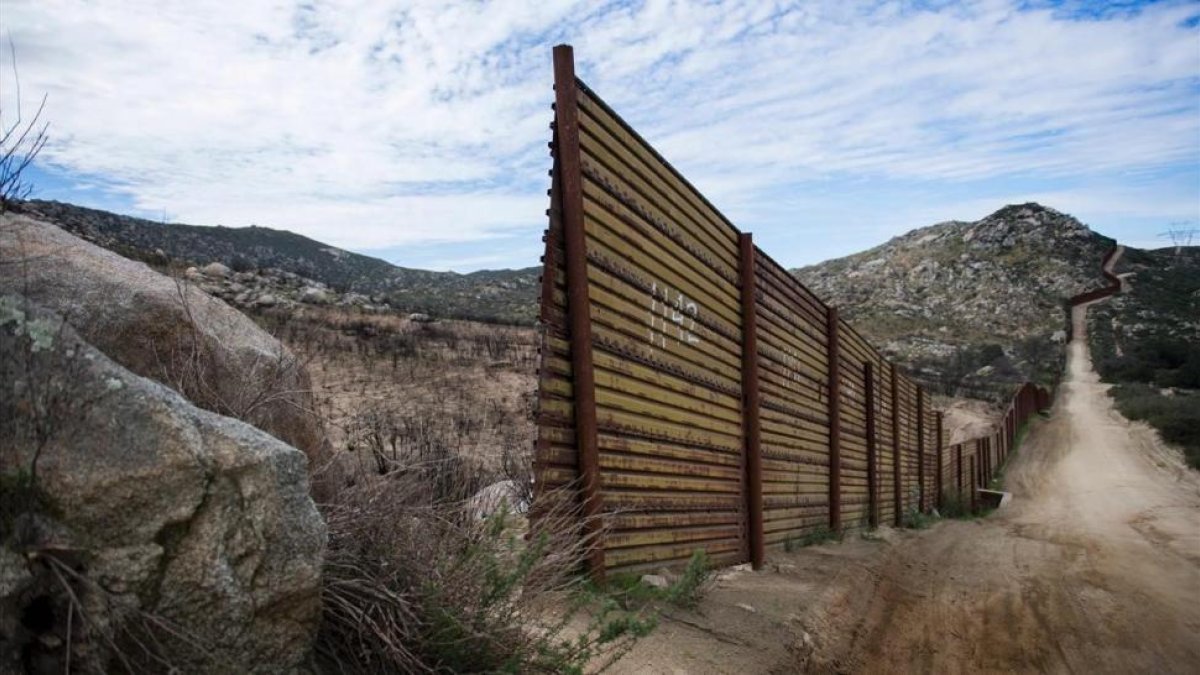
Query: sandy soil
{"type": "Point", "coordinates": [1093, 568]}
{"type": "Point", "coordinates": [966, 418]}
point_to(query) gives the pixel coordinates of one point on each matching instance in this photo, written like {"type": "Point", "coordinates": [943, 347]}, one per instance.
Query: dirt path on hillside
{"type": "Point", "coordinates": [1093, 567]}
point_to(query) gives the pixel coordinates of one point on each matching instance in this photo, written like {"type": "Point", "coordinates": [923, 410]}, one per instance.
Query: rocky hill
{"type": "Point", "coordinates": [973, 308]}
{"type": "Point", "coordinates": [508, 296]}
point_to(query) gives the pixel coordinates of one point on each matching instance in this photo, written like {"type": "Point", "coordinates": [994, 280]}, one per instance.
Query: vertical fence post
{"type": "Point", "coordinates": [939, 481]}
{"type": "Point", "coordinates": [921, 450]}
{"type": "Point", "coordinates": [750, 405]}
{"type": "Point", "coordinates": [897, 498]}
{"type": "Point", "coordinates": [1007, 437]}
{"type": "Point", "coordinates": [974, 484]}
{"type": "Point", "coordinates": [958, 472]}
{"type": "Point", "coordinates": [835, 420]}
{"type": "Point", "coordinates": [566, 130]}
{"type": "Point", "coordinates": [977, 464]}
{"type": "Point", "coordinates": [872, 459]}
{"type": "Point", "coordinates": [1008, 430]}
{"type": "Point", "coordinates": [987, 462]}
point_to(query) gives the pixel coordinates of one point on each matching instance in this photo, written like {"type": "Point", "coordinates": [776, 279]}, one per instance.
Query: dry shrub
{"type": "Point", "coordinates": [416, 585]}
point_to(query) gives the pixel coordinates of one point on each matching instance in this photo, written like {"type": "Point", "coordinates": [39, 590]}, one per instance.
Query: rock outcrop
{"type": "Point", "coordinates": [973, 308]}
{"type": "Point", "coordinates": [137, 530]}
{"type": "Point", "coordinates": [163, 328]}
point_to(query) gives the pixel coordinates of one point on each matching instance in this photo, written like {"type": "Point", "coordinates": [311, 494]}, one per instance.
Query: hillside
{"type": "Point", "coordinates": [973, 308]}
{"type": "Point", "coordinates": [1161, 307]}
{"type": "Point", "coordinates": [1147, 342]}
{"type": "Point", "coordinates": [507, 296]}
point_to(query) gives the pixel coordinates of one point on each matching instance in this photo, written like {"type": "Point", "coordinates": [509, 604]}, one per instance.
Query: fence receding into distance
{"type": "Point", "coordinates": [694, 392]}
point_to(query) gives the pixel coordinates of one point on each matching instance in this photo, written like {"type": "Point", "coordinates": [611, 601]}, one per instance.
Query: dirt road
{"type": "Point", "coordinates": [1093, 568]}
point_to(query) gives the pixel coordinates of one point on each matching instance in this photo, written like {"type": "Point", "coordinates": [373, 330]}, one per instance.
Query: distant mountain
{"type": "Point", "coordinates": [508, 296]}
{"type": "Point", "coordinates": [972, 308]}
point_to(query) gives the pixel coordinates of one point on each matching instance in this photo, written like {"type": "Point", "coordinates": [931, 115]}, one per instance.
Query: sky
{"type": "Point", "coordinates": [416, 131]}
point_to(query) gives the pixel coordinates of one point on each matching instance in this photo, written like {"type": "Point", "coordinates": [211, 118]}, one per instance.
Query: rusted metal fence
{"type": "Point", "coordinates": [695, 393]}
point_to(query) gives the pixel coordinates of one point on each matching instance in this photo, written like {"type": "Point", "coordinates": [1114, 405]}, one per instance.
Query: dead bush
{"type": "Point", "coordinates": [415, 586]}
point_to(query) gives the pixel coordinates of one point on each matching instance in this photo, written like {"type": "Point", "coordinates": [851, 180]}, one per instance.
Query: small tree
{"type": "Point", "coordinates": [21, 140]}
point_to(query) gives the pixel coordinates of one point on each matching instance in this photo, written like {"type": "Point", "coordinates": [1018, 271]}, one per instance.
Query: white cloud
{"type": "Point", "coordinates": [370, 124]}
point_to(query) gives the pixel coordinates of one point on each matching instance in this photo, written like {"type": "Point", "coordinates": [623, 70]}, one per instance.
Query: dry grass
{"type": "Point", "coordinates": [424, 416]}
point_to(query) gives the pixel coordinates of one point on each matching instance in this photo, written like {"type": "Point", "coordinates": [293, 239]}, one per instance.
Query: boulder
{"type": "Point", "coordinates": [165, 329]}
{"type": "Point", "coordinates": [501, 495]}
{"type": "Point", "coordinates": [655, 581]}
{"type": "Point", "coordinates": [314, 296]}
{"type": "Point", "coordinates": [132, 518]}
{"type": "Point", "coordinates": [216, 270]}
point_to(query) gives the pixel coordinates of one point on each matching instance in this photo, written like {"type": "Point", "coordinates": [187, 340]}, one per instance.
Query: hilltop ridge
{"type": "Point", "coordinates": [973, 307]}
{"type": "Point", "coordinates": [506, 296]}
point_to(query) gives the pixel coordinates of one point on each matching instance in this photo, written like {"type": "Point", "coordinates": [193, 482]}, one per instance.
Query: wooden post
{"type": "Point", "coordinates": [566, 131]}
{"type": "Point", "coordinates": [751, 425]}
{"type": "Point", "coordinates": [872, 459]}
{"type": "Point", "coordinates": [897, 497]}
{"type": "Point", "coordinates": [921, 497]}
{"type": "Point", "coordinates": [835, 420]}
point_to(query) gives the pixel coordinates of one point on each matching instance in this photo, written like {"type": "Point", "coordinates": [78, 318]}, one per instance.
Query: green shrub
{"type": "Point", "coordinates": [1164, 361]}
{"type": "Point", "coordinates": [630, 593]}
{"type": "Point", "coordinates": [687, 589]}
{"type": "Point", "coordinates": [820, 535]}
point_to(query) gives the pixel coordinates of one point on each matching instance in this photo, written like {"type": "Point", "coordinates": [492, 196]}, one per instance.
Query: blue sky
{"type": "Point", "coordinates": [416, 131]}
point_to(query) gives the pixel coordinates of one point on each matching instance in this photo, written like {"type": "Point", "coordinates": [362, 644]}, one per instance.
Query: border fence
{"type": "Point", "coordinates": [694, 393]}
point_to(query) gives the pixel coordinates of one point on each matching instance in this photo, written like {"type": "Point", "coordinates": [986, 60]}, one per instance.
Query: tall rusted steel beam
{"type": "Point", "coordinates": [938, 481]}
{"type": "Point", "coordinates": [921, 497]}
{"type": "Point", "coordinates": [750, 404]}
{"type": "Point", "coordinates": [578, 301]}
{"type": "Point", "coordinates": [897, 496]}
{"type": "Point", "coordinates": [835, 420]}
{"type": "Point", "coordinates": [872, 458]}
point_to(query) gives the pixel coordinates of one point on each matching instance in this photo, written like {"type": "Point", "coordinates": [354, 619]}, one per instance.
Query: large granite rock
{"type": "Point", "coordinates": [163, 328]}
{"type": "Point", "coordinates": [132, 521]}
